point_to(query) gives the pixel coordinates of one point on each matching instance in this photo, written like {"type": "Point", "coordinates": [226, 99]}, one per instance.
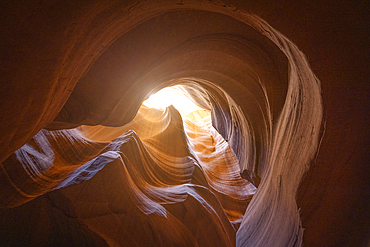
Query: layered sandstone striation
{"type": "Point", "coordinates": [152, 178]}
{"type": "Point", "coordinates": [84, 163]}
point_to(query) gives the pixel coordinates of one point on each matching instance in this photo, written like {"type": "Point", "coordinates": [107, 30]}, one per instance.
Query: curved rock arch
{"type": "Point", "coordinates": [61, 89]}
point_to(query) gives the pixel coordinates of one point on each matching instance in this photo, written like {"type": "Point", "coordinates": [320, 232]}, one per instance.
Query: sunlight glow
{"type": "Point", "coordinates": [172, 96]}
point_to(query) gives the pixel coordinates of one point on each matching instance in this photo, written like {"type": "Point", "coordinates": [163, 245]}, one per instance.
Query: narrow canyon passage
{"type": "Point", "coordinates": [274, 152]}
{"type": "Point", "coordinates": [131, 175]}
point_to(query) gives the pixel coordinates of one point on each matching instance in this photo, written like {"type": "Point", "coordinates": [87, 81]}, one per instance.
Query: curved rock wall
{"type": "Point", "coordinates": [67, 63]}
{"type": "Point", "coordinates": [131, 190]}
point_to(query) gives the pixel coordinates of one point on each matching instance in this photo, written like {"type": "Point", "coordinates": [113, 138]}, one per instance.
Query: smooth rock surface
{"type": "Point", "coordinates": [295, 123]}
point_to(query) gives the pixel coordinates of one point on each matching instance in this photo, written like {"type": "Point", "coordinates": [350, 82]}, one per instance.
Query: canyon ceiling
{"type": "Point", "coordinates": [279, 155]}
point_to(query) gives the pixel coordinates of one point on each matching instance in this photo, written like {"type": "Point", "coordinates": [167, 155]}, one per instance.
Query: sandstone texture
{"type": "Point", "coordinates": [277, 156]}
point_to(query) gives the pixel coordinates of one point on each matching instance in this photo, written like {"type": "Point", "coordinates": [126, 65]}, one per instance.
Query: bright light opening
{"type": "Point", "coordinates": [172, 96]}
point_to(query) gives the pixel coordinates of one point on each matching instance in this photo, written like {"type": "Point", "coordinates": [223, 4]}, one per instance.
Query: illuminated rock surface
{"type": "Point", "coordinates": [84, 164]}
{"type": "Point", "coordinates": [150, 180]}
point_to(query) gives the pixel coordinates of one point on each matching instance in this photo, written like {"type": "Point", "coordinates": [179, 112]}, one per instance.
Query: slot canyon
{"type": "Point", "coordinates": [274, 152]}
